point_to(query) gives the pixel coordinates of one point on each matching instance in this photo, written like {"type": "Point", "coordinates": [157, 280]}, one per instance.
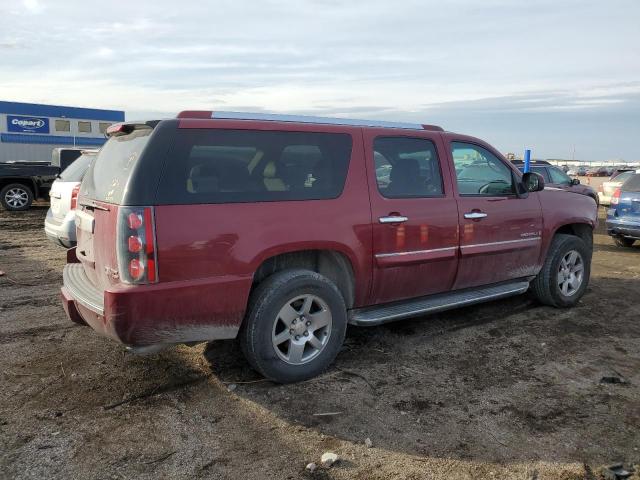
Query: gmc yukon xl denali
{"type": "Point", "coordinates": [281, 230]}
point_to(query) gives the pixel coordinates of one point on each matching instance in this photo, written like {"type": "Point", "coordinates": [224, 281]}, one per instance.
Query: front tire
{"type": "Point", "coordinates": [294, 327]}
{"type": "Point", "coordinates": [16, 197]}
{"type": "Point", "coordinates": [564, 276]}
{"type": "Point", "coordinates": [624, 242]}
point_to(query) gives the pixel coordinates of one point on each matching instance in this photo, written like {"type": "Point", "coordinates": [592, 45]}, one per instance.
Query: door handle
{"type": "Point", "coordinates": [393, 219]}
{"type": "Point", "coordinates": [474, 215]}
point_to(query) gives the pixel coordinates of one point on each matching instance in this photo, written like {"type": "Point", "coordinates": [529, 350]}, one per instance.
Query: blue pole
{"type": "Point", "coordinates": [527, 160]}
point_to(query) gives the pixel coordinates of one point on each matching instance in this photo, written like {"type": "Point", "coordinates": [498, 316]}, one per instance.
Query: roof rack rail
{"type": "Point", "coordinates": [277, 117]}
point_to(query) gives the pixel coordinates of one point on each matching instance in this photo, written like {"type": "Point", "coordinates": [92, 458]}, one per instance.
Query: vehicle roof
{"type": "Point", "coordinates": [306, 119]}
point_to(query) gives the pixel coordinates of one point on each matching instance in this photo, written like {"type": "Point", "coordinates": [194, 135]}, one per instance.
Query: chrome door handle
{"type": "Point", "coordinates": [475, 215]}
{"type": "Point", "coordinates": [393, 219]}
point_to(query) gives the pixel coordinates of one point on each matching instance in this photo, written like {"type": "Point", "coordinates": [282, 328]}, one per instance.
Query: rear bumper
{"type": "Point", "coordinates": [159, 314]}
{"type": "Point", "coordinates": [622, 228]}
{"type": "Point", "coordinates": [61, 232]}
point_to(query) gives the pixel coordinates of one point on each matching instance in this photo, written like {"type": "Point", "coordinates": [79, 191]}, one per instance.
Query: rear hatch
{"type": "Point", "coordinates": [102, 194]}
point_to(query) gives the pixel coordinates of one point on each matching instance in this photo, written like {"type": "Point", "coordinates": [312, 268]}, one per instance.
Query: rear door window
{"type": "Point", "coordinates": [407, 167]}
{"type": "Point", "coordinates": [226, 166]}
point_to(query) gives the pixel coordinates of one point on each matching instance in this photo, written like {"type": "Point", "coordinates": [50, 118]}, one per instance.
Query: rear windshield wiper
{"type": "Point", "coordinates": [94, 206]}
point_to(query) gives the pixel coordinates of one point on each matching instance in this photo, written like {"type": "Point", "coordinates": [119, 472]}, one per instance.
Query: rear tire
{"type": "Point", "coordinates": [624, 242]}
{"type": "Point", "coordinates": [16, 197]}
{"type": "Point", "coordinates": [564, 276]}
{"type": "Point", "coordinates": [294, 327]}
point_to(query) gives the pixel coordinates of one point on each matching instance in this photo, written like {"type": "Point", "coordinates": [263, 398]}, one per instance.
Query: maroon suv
{"type": "Point", "coordinates": [281, 230]}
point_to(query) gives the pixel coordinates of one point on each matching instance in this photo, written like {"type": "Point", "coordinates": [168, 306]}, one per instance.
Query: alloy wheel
{"type": "Point", "coordinates": [16, 197]}
{"type": "Point", "coordinates": [301, 329]}
{"type": "Point", "coordinates": [570, 273]}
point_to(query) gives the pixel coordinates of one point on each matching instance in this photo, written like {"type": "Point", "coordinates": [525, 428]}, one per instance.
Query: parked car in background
{"type": "Point", "coordinates": [597, 172]}
{"type": "Point", "coordinates": [21, 181]}
{"type": "Point", "coordinates": [556, 178]}
{"type": "Point", "coordinates": [214, 225]}
{"type": "Point", "coordinates": [606, 189]}
{"type": "Point", "coordinates": [59, 225]}
{"type": "Point", "coordinates": [623, 218]}
{"type": "Point", "coordinates": [577, 172]}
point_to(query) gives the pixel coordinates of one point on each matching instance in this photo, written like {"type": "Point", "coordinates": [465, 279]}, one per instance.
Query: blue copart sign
{"type": "Point", "coordinates": [27, 124]}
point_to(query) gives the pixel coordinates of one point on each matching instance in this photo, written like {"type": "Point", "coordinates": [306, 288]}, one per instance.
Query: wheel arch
{"type": "Point", "coordinates": [331, 263]}
{"type": "Point", "coordinates": [581, 230]}
{"type": "Point", "coordinates": [26, 181]}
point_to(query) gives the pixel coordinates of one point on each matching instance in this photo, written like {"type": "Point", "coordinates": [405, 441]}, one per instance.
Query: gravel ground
{"type": "Point", "coordinates": [508, 389]}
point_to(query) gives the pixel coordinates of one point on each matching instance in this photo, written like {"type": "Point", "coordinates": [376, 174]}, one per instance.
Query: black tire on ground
{"type": "Point", "coordinates": [265, 304]}
{"type": "Point", "coordinates": [545, 287]}
{"type": "Point", "coordinates": [624, 242]}
{"type": "Point", "coordinates": [16, 197]}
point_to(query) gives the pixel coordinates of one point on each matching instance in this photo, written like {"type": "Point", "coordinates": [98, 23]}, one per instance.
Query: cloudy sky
{"type": "Point", "coordinates": [549, 75]}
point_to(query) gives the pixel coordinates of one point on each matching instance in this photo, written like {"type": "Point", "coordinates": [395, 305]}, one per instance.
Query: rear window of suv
{"type": "Point", "coordinates": [226, 166]}
{"type": "Point", "coordinates": [632, 184]}
{"type": "Point", "coordinates": [107, 177]}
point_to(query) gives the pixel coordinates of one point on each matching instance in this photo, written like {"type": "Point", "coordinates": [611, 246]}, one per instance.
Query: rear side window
{"type": "Point", "coordinates": [632, 184]}
{"type": "Point", "coordinates": [107, 177]}
{"type": "Point", "coordinates": [226, 166]}
{"type": "Point", "coordinates": [407, 167]}
{"type": "Point", "coordinates": [75, 171]}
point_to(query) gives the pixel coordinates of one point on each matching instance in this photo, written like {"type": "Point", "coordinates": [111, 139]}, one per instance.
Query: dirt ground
{"type": "Point", "coordinates": [509, 389]}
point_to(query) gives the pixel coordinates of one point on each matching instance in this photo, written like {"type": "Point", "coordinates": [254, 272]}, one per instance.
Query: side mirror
{"type": "Point", "coordinates": [575, 181]}
{"type": "Point", "coordinates": [533, 182]}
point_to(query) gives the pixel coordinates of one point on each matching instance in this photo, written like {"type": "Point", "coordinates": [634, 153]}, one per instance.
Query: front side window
{"type": "Point", "coordinates": [480, 172]}
{"type": "Point", "coordinates": [407, 167]}
{"type": "Point", "coordinates": [227, 166]}
{"type": "Point", "coordinates": [542, 171]}
{"type": "Point", "coordinates": [84, 127]}
{"type": "Point", "coordinates": [559, 177]}
{"type": "Point", "coordinates": [63, 126]}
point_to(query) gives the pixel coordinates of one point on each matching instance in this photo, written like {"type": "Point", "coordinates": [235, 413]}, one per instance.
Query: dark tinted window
{"type": "Point", "coordinates": [480, 172]}
{"type": "Point", "coordinates": [75, 171]}
{"type": "Point", "coordinates": [632, 184]}
{"type": "Point", "coordinates": [540, 171]}
{"type": "Point", "coordinates": [407, 167]}
{"type": "Point", "coordinates": [107, 177]}
{"type": "Point", "coordinates": [224, 166]}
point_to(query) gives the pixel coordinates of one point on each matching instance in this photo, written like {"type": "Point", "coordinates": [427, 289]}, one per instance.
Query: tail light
{"type": "Point", "coordinates": [615, 198]}
{"type": "Point", "coordinates": [136, 247]}
{"type": "Point", "coordinates": [74, 197]}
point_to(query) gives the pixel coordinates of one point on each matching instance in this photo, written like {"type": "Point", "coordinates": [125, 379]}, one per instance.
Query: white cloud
{"type": "Point", "coordinates": [32, 6]}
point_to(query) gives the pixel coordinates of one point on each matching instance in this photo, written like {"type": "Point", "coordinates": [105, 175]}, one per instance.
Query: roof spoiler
{"type": "Point", "coordinates": [124, 128]}
{"type": "Point", "coordinates": [276, 117]}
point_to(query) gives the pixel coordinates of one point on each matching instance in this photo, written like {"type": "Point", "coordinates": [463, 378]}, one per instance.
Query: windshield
{"type": "Point", "coordinates": [77, 169]}
{"type": "Point", "coordinates": [107, 177]}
